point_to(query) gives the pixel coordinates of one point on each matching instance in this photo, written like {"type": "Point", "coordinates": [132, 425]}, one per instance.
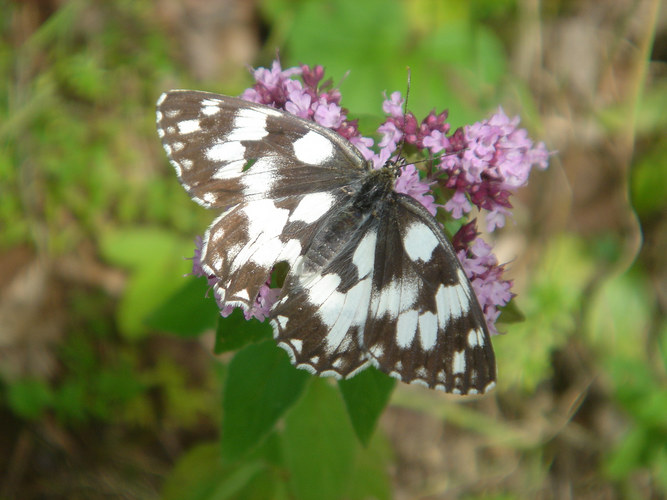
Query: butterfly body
{"type": "Point", "coordinates": [373, 280]}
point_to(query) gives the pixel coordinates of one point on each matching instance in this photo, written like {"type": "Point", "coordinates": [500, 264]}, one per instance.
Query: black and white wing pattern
{"type": "Point", "coordinates": [372, 278]}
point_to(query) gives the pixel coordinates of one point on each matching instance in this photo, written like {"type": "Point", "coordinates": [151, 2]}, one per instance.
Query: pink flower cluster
{"type": "Point", "coordinates": [485, 162]}
{"type": "Point", "coordinates": [478, 165]}
{"type": "Point", "coordinates": [307, 98]}
{"type": "Point", "coordinates": [484, 272]}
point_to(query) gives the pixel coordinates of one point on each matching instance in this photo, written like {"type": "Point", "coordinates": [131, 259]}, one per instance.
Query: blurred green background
{"type": "Point", "coordinates": [109, 385]}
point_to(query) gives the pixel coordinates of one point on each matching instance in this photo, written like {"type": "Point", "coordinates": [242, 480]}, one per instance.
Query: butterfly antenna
{"type": "Point", "coordinates": [407, 92]}
{"type": "Point", "coordinates": [405, 112]}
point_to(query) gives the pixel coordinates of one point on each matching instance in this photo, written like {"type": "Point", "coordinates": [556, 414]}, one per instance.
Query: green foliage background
{"type": "Point", "coordinates": [129, 401]}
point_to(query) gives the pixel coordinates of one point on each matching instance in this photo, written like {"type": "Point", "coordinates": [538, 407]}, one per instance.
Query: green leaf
{"type": "Point", "coordinates": [136, 247]}
{"type": "Point", "coordinates": [29, 398]}
{"type": "Point", "coordinates": [618, 312]}
{"type": "Point", "coordinates": [155, 258]}
{"type": "Point", "coordinates": [235, 332]}
{"type": "Point", "coordinates": [188, 312]}
{"type": "Point", "coordinates": [320, 445]}
{"type": "Point", "coordinates": [366, 395]}
{"type": "Point", "coordinates": [201, 475]}
{"type": "Point", "coordinates": [261, 385]}
{"type": "Point", "coordinates": [370, 478]}
{"type": "Point", "coordinates": [627, 455]}
{"type": "Point", "coordinates": [268, 484]}
{"type": "Point", "coordinates": [510, 313]}
{"type": "Point", "coordinates": [69, 403]}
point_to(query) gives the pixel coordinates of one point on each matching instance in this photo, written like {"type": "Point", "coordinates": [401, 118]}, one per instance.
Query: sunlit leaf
{"type": "Point", "coordinates": [261, 385]}
{"type": "Point", "coordinates": [320, 444]}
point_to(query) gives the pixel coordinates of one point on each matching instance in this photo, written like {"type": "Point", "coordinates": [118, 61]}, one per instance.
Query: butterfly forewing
{"type": "Point", "coordinates": [372, 279]}
{"type": "Point", "coordinates": [275, 174]}
{"type": "Point", "coordinates": [226, 150]}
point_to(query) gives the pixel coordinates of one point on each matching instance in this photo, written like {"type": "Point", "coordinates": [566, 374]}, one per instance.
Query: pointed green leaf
{"type": "Point", "coordinates": [320, 445]}
{"type": "Point", "coordinates": [261, 385]}
{"type": "Point", "coordinates": [188, 312]}
{"type": "Point", "coordinates": [510, 313]}
{"type": "Point", "coordinates": [366, 395]}
{"type": "Point", "coordinates": [235, 332]}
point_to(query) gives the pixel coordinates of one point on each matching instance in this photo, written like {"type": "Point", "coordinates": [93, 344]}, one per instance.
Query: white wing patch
{"type": "Point", "coordinates": [341, 311]}
{"type": "Point", "coordinates": [312, 207]}
{"type": "Point", "coordinates": [428, 330]}
{"type": "Point", "coordinates": [260, 178]}
{"type": "Point", "coordinates": [209, 198]}
{"type": "Point", "coordinates": [320, 288]}
{"type": "Point", "coordinates": [475, 338]}
{"type": "Point", "coordinates": [226, 152]}
{"type": "Point", "coordinates": [210, 107]}
{"type": "Point", "coordinates": [406, 328]}
{"type": "Point", "coordinates": [249, 125]}
{"type": "Point", "coordinates": [290, 252]}
{"type": "Point", "coordinates": [452, 302]}
{"type": "Point", "coordinates": [364, 255]}
{"type": "Point", "coordinates": [313, 148]}
{"type": "Point", "coordinates": [265, 220]}
{"type": "Point", "coordinates": [188, 126]}
{"type": "Point", "coordinates": [265, 224]}
{"type": "Point", "coordinates": [419, 242]}
{"type": "Point", "coordinates": [395, 298]}
{"type": "Point", "coordinates": [459, 362]}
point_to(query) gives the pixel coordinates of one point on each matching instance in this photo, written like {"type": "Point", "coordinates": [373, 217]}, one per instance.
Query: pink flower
{"type": "Point", "coordinates": [436, 141]}
{"type": "Point", "coordinates": [408, 182]}
{"type": "Point", "coordinates": [273, 77]}
{"type": "Point", "coordinates": [298, 99]}
{"type": "Point", "coordinates": [393, 105]}
{"type": "Point", "coordinates": [391, 135]}
{"type": "Point", "coordinates": [364, 145]}
{"type": "Point", "coordinates": [266, 297]}
{"type": "Point", "coordinates": [379, 160]}
{"type": "Point", "coordinates": [328, 114]}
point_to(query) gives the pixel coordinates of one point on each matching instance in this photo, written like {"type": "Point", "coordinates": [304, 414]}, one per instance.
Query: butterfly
{"type": "Point", "coordinates": [372, 280]}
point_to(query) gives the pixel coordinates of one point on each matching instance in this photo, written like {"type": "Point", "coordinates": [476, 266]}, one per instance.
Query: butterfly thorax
{"type": "Point", "coordinates": [375, 187]}
{"type": "Point", "coordinates": [367, 198]}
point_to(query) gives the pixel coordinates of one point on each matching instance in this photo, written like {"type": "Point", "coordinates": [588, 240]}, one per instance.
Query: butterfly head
{"type": "Point", "coordinates": [394, 165]}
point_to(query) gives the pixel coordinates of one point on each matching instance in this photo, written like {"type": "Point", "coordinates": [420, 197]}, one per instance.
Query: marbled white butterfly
{"type": "Point", "coordinates": [372, 278]}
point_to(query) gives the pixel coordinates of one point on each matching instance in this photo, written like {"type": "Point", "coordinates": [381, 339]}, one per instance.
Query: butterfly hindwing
{"type": "Point", "coordinates": [323, 307]}
{"type": "Point", "coordinates": [243, 245]}
{"type": "Point", "coordinates": [425, 325]}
